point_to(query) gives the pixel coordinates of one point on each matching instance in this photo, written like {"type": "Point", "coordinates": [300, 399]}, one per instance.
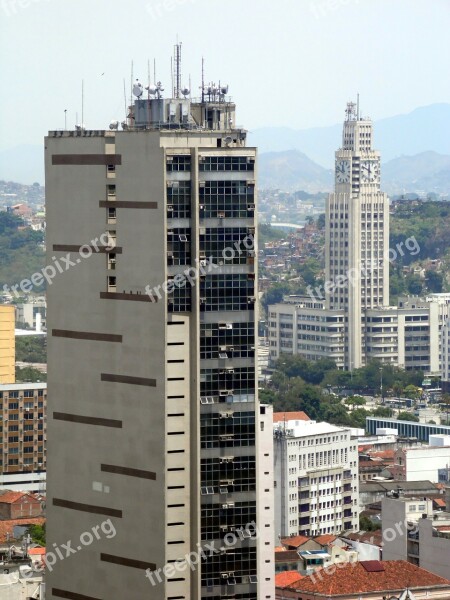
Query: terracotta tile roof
{"type": "Point", "coordinates": [440, 502]}
{"type": "Point", "coordinates": [290, 416]}
{"type": "Point", "coordinates": [36, 551]}
{"type": "Point", "coordinates": [325, 539]}
{"type": "Point", "coordinates": [295, 541]}
{"type": "Point", "coordinates": [355, 578]}
{"type": "Point", "coordinates": [287, 578]}
{"type": "Point", "coordinates": [10, 497]}
{"type": "Point", "coordinates": [8, 526]}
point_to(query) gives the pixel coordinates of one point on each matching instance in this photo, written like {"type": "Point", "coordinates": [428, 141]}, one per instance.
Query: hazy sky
{"type": "Point", "coordinates": [288, 62]}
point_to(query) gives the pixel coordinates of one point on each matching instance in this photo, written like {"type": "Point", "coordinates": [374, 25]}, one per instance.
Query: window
{"type": "Point", "coordinates": [227, 163]}
{"type": "Point", "coordinates": [224, 199]}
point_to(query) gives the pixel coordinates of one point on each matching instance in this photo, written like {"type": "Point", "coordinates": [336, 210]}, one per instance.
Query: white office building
{"type": "Point", "coordinates": [315, 479]}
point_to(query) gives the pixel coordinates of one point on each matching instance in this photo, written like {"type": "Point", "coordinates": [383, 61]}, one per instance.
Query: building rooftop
{"type": "Point", "coordinates": [306, 428]}
{"type": "Point", "coordinates": [290, 416]}
{"type": "Point", "coordinates": [287, 556]}
{"type": "Point", "coordinates": [325, 539]}
{"type": "Point", "coordinates": [295, 541]}
{"type": "Point", "coordinates": [393, 486]}
{"type": "Point", "coordinates": [4, 387]}
{"type": "Point", "coordinates": [370, 576]}
{"type": "Point", "coordinates": [9, 497]}
{"type": "Point", "coordinates": [287, 578]}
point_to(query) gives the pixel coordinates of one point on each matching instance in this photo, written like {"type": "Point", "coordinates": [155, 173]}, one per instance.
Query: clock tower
{"type": "Point", "coordinates": [357, 234]}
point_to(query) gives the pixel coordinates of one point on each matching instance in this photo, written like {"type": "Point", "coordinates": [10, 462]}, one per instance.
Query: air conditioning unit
{"type": "Point", "coordinates": [251, 207]}
{"type": "Point", "coordinates": [253, 578]}
{"type": "Point", "coordinates": [224, 575]}
{"type": "Point", "coordinates": [221, 215]}
{"type": "Point", "coordinates": [251, 299]}
{"type": "Point", "coordinates": [170, 207]}
{"type": "Point", "coordinates": [223, 393]}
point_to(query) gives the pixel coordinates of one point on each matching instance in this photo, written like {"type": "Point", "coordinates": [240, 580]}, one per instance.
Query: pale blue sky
{"type": "Point", "coordinates": [288, 62]}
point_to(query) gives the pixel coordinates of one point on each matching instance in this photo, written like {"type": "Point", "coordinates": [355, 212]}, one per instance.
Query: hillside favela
{"type": "Point", "coordinates": [225, 300]}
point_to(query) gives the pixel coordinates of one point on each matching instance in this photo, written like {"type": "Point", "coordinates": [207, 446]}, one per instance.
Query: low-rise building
{"type": "Point", "coordinates": [421, 462]}
{"type": "Point", "coordinates": [19, 505]}
{"type": "Point", "coordinates": [412, 532]}
{"type": "Point", "coordinates": [315, 478]}
{"type": "Point", "coordinates": [23, 436]}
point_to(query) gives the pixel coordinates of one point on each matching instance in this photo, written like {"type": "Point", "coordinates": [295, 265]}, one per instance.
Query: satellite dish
{"type": "Point", "coordinates": [152, 89]}
{"type": "Point", "coordinates": [224, 89]}
{"type": "Point", "coordinates": [124, 125]}
{"type": "Point", "coordinates": [114, 125]}
{"type": "Point", "coordinates": [185, 91]}
{"type": "Point", "coordinates": [228, 139]}
{"type": "Point", "coordinates": [138, 90]}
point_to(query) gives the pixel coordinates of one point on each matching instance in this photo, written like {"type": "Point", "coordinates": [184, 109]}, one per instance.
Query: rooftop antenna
{"type": "Point", "coordinates": [203, 79]}
{"type": "Point", "coordinates": [177, 70]}
{"type": "Point", "coordinates": [82, 104]}
{"type": "Point", "coordinates": [357, 107]}
{"type": "Point", "coordinates": [154, 70]}
{"type": "Point", "coordinates": [172, 74]}
{"type": "Point", "coordinates": [125, 96]}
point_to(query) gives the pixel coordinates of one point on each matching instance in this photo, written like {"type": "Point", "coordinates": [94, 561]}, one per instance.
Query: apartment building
{"type": "Point", "coordinates": [315, 478]}
{"type": "Point", "coordinates": [156, 334]}
{"type": "Point", "coordinates": [23, 435]}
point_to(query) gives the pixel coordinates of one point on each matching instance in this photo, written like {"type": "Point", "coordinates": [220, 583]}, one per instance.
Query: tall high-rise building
{"type": "Point", "coordinates": [153, 411]}
{"type": "Point", "coordinates": [7, 345]}
{"type": "Point", "coordinates": [357, 234]}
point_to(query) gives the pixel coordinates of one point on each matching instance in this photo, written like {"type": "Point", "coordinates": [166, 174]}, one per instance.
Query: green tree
{"type": "Point", "coordinates": [407, 416]}
{"type": "Point", "coordinates": [37, 533]}
{"type": "Point", "coordinates": [435, 281]}
{"type": "Point", "coordinates": [29, 375]}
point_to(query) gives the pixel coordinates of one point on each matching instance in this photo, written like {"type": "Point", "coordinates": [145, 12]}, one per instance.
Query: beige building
{"type": "Point", "coordinates": [7, 345]}
{"type": "Point", "coordinates": [154, 419]}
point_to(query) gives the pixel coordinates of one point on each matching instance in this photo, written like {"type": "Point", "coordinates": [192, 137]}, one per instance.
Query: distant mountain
{"type": "Point", "coordinates": [427, 171]}
{"type": "Point", "coordinates": [292, 170]}
{"type": "Point", "coordinates": [24, 164]}
{"type": "Point", "coordinates": [425, 128]}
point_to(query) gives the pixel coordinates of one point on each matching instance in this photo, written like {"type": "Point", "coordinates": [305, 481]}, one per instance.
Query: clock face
{"type": "Point", "coordinates": [343, 171]}
{"type": "Point", "coordinates": [370, 171]}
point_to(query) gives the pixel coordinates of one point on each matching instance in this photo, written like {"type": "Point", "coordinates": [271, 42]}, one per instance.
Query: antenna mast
{"type": "Point", "coordinates": [82, 104]}
{"type": "Point", "coordinates": [357, 107]}
{"type": "Point", "coordinates": [203, 79]}
{"type": "Point", "coordinates": [177, 70]}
